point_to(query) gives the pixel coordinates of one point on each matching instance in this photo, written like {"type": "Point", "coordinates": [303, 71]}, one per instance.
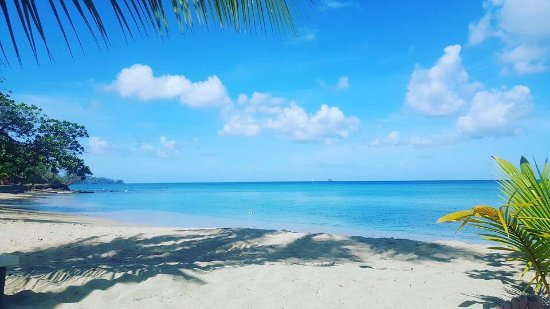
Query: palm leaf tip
{"type": "Point", "coordinates": [456, 216]}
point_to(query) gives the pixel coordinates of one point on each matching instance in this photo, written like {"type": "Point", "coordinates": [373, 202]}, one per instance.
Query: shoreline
{"type": "Point", "coordinates": [176, 220]}
{"type": "Point", "coordinates": [71, 259]}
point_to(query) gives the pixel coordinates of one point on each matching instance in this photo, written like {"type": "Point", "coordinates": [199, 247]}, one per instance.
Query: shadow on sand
{"type": "Point", "coordinates": [510, 278]}
{"type": "Point", "coordinates": [138, 258]}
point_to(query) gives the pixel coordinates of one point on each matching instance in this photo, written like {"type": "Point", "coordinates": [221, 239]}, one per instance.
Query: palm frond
{"type": "Point", "coordinates": [143, 16]}
{"type": "Point", "coordinates": [522, 224]}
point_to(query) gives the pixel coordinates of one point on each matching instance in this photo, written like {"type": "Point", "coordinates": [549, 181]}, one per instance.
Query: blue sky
{"type": "Point", "coordinates": [373, 90]}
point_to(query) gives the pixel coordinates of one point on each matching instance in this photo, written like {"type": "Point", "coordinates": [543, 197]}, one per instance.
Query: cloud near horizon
{"type": "Point", "coordinates": [395, 138]}
{"type": "Point", "coordinates": [391, 139]}
{"type": "Point", "coordinates": [139, 82]}
{"type": "Point", "coordinates": [165, 148]}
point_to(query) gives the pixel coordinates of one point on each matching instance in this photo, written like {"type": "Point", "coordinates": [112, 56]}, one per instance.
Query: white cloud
{"type": "Point", "coordinates": [343, 83]}
{"type": "Point", "coordinates": [494, 113]}
{"type": "Point", "coordinates": [248, 116]}
{"type": "Point", "coordinates": [525, 18]}
{"type": "Point", "coordinates": [526, 59]}
{"type": "Point", "coordinates": [262, 111]}
{"type": "Point", "coordinates": [326, 123]}
{"type": "Point", "coordinates": [97, 145]}
{"type": "Point", "coordinates": [445, 90]}
{"type": "Point", "coordinates": [396, 138]}
{"type": "Point", "coordinates": [440, 90]}
{"type": "Point", "coordinates": [480, 31]}
{"type": "Point", "coordinates": [166, 148]}
{"type": "Point", "coordinates": [138, 81]}
{"type": "Point", "coordinates": [260, 100]}
{"type": "Point", "coordinates": [242, 125]}
{"type": "Point", "coordinates": [391, 139]}
{"type": "Point", "coordinates": [523, 27]}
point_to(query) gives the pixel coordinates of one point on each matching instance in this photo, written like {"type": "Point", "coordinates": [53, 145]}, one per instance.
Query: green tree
{"type": "Point", "coordinates": [36, 148]}
{"type": "Point", "coordinates": [141, 17]}
{"type": "Point", "coordinates": [522, 225]}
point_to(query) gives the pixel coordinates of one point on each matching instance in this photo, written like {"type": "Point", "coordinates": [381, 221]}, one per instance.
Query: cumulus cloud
{"type": "Point", "coordinates": [97, 145]}
{"type": "Point", "coordinates": [138, 81]}
{"type": "Point", "coordinates": [241, 125]}
{"type": "Point", "coordinates": [481, 30]}
{"type": "Point", "coordinates": [495, 112]}
{"type": "Point", "coordinates": [260, 100]}
{"type": "Point", "coordinates": [445, 90]}
{"type": "Point", "coordinates": [525, 59]}
{"type": "Point", "coordinates": [523, 27]}
{"type": "Point", "coordinates": [440, 90]}
{"type": "Point", "coordinates": [247, 116]}
{"type": "Point", "coordinates": [251, 114]}
{"type": "Point", "coordinates": [326, 123]}
{"type": "Point", "coordinates": [165, 148]}
{"type": "Point", "coordinates": [262, 111]}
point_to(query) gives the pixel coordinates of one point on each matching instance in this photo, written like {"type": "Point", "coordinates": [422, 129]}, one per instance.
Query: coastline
{"type": "Point", "coordinates": [68, 259]}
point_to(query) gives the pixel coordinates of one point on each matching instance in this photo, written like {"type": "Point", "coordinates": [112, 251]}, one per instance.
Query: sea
{"type": "Point", "coordinates": [398, 209]}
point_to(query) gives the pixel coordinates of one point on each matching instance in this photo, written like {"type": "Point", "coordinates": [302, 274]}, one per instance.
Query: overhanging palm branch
{"type": "Point", "coordinates": [138, 16]}
{"type": "Point", "coordinates": [522, 225]}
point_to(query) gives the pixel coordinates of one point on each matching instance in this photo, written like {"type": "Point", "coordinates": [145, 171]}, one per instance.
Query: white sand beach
{"type": "Point", "coordinates": [83, 262]}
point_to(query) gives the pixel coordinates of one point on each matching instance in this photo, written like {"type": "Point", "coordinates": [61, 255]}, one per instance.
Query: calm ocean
{"type": "Point", "coordinates": [379, 209]}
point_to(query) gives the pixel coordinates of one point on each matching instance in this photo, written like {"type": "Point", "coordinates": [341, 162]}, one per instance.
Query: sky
{"type": "Point", "coordinates": [371, 90]}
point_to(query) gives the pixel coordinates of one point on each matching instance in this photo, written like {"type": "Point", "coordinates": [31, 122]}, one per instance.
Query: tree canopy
{"type": "Point", "coordinates": [35, 148]}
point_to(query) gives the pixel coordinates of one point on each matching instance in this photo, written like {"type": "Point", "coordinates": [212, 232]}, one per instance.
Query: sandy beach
{"type": "Point", "coordinates": [82, 262]}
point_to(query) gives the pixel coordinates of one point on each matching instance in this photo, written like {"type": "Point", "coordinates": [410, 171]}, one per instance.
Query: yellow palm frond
{"type": "Point", "coordinates": [456, 216]}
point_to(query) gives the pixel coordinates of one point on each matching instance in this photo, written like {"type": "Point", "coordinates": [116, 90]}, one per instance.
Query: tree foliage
{"type": "Point", "coordinates": [35, 148]}
{"type": "Point", "coordinates": [522, 225]}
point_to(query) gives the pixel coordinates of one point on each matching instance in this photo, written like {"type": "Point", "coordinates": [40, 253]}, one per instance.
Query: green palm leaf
{"type": "Point", "coordinates": [277, 16]}
{"type": "Point", "coordinates": [522, 225]}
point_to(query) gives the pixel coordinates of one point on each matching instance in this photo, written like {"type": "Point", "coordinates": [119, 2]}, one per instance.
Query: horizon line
{"type": "Point", "coordinates": [305, 181]}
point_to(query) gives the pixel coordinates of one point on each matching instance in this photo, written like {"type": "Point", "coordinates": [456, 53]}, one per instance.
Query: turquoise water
{"type": "Point", "coordinates": [379, 209]}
